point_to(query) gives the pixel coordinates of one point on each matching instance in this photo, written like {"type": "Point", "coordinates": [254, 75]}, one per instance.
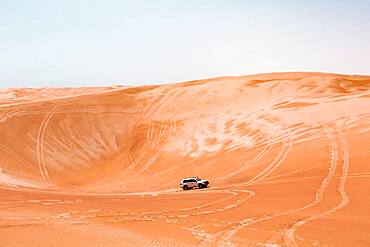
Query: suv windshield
{"type": "Point", "coordinates": [198, 179]}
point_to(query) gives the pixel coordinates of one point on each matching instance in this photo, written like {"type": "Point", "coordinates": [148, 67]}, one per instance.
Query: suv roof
{"type": "Point", "coordinates": [190, 177]}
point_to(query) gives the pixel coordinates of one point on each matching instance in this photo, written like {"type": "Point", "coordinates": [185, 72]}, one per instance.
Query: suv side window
{"type": "Point", "coordinates": [186, 181]}
{"type": "Point", "coordinates": [192, 180]}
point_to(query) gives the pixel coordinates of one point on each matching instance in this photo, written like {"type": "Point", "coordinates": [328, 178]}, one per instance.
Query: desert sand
{"type": "Point", "coordinates": [287, 156]}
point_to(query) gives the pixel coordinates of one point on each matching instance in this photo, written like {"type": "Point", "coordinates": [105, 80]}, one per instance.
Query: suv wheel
{"type": "Point", "coordinates": [200, 186]}
{"type": "Point", "coordinates": [185, 187]}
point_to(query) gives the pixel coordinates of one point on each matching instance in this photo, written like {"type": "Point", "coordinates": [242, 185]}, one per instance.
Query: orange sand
{"type": "Point", "coordinates": [287, 156]}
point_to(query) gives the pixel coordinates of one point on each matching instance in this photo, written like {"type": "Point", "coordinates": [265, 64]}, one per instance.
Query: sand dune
{"type": "Point", "coordinates": [287, 156]}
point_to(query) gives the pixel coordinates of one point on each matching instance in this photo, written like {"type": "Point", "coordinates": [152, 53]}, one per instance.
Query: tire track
{"type": "Point", "coordinates": [224, 236]}
{"type": "Point", "coordinates": [17, 157]}
{"type": "Point", "coordinates": [289, 234]}
{"type": "Point", "coordinates": [230, 206]}
{"type": "Point", "coordinates": [147, 143]}
{"type": "Point", "coordinates": [229, 231]}
{"type": "Point", "coordinates": [245, 166]}
{"type": "Point", "coordinates": [277, 161]}
{"type": "Point", "coordinates": [157, 141]}
{"type": "Point", "coordinates": [162, 131]}
{"type": "Point", "coordinates": [294, 172]}
{"type": "Point", "coordinates": [259, 156]}
{"type": "Point", "coordinates": [101, 110]}
{"type": "Point", "coordinates": [145, 213]}
{"type": "Point", "coordinates": [319, 194]}
{"type": "Point", "coordinates": [227, 234]}
{"type": "Point", "coordinates": [312, 178]}
{"type": "Point", "coordinates": [11, 113]}
{"type": "Point", "coordinates": [179, 147]}
{"type": "Point", "coordinates": [144, 150]}
{"type": "Point", "coordinates": [40, 144]}
{"type": "Point", "coordinates": [148, 139]}
{"type": "Point", "coordinates": [156, 155]}
{"type": "Point", "coordinates": [157, 216]}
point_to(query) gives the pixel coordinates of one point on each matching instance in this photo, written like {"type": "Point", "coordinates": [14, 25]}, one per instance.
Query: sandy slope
{"type": "Point", "coordinates": [287, 155]}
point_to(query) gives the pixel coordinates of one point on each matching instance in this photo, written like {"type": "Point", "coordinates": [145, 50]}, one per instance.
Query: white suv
{"type": "Point", "coordinates": [193, 182]}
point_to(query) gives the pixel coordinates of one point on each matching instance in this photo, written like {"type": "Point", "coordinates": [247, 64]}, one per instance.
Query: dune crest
{"type": "Point", "coordinates": [286, 155]}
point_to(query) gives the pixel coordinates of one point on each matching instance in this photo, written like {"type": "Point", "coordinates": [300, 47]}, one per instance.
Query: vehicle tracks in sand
{"type": "Point", "coordinates": [230, 206]}
{"type": "Point", "coordinates": [248, 164]}
{"type": "Point", "coordinates": [171, 124]}
{"type": "Point", "coordinates": [153, 158]}
{"type": "Point", "coordinates": [168, 123]}
{"type": "Point", "coordinates": [279, 159]}
{"type": "Point", "coordinates": [40, 155]}
{"type": "Point", "coordinates": [282, 176]}
{"type": "Point", "coordinates": [237, 189]}
{"type": "Point", "coordinates": [8, 114]}
{"type": "Point", "coordinates": [243, 194]}
{"type": "Point", "coordinates": [18, 158]}
{"type": "Point", "coordinates": [176, 214]}
{"type": "Point", "coordinates": [87, 110]}
{"type": "Point", "coordinates": [184, 143]}
{"type": "Point", "coordinates": [319, 194]}
{"type": "Point", "coordinates": [144, 213]}
{"type": "Point", "coordinates": [244, 165]}
{"type": "Point", "coordinates": [258, 157]}
{"type": "Point", "coordinates": [40, 144]}
{"type": "Point", "coordinates": [318, 198]}
{"type": "Point", "coordinates": [289, 233]}
{"type": "Point", "coordinates": [147, 143]}
{"type": "Point", "coordinates": [143, 150]}
{"type": "Point", "coordinates": [5, 116]}
{"type": "Point", "coordinates": [227, 234]}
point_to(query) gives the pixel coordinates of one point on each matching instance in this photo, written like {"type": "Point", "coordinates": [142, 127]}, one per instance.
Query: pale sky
{"type": "Point", "coordinates": [93, 43]}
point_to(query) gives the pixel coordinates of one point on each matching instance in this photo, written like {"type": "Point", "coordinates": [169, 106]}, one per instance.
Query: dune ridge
{"type": "Point", "coordinates": [286, 154]}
